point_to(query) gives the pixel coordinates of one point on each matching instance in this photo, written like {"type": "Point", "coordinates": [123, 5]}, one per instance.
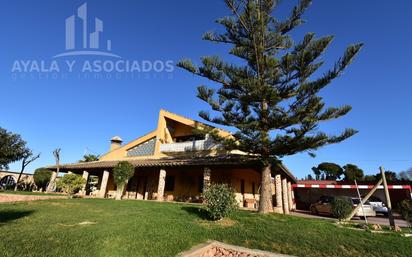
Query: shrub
{"type": "Point", "coordinates": [121, 174]}
{"type": "Point", "coordinates": [70, 183]}
{"type": "Point", "coordinates": [9, 187]}
{"type": "Point", "coordinates": [406, 210]}
{"type": "Point", "coordinates": [42, 177]}
{"type": "Point", "coordinates": [220, 201]}
{"type": "Point", "coordinates": [341, 208]}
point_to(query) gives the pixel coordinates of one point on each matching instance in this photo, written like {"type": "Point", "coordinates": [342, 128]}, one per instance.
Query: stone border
{"type": "Point", "coordinates": [202, 249]}
{"type": "Point", "coordinates": [9, 198]}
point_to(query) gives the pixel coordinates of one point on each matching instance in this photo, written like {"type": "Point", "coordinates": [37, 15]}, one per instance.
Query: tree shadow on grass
{"type": "Point", "coordinates": [10, 215]}
{"type": "Point", "coordinates": [197, 211]}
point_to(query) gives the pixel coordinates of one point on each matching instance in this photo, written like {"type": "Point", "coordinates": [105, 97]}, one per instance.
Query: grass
{"type": "Point", "coordinates": [29, 193]}
{"type": "Point", "coordinates": [97, 227]}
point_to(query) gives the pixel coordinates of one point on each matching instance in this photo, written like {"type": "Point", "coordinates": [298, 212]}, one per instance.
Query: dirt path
{"type": "Point", "coordinates": [4, 198]}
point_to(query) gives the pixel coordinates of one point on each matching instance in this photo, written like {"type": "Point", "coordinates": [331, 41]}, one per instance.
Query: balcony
{"type": "Point", "coordinates": [195, 145]}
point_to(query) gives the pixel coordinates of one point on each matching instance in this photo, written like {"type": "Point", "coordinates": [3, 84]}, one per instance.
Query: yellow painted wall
{"type": "Point", "coordinates": [187, 181]}
{"type": "Point", "coordinates": [183, 127]}
{"type": "Point", "coordinates": [233, 177]}
{"type": "Point", "coordinates": [120, 153]}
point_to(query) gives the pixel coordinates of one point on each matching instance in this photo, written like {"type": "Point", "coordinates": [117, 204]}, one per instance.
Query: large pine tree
{"type": "Point", "coordinates": [271, 97]}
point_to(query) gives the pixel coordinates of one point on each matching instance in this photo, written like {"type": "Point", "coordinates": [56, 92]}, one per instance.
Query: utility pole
{"type": "Point", "coordinates": [388, 199]}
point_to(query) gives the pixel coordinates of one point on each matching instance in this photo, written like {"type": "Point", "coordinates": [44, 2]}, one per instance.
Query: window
{"type": "Point", "coordinates": [145, 148]}
{"type": "Point", "coordinates": [189, 138]}
{"type": "Point", "coordinates": [170, 183]}
{"type": "Point", "coordinates": [326, 199]}
{"type": "Point", "coordinates": [8, 181]}
{"type": "Point", "coordinates": [373, 199]}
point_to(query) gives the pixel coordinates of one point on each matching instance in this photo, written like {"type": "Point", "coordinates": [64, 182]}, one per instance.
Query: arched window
{"type": "Point", "coordinates": [7, 181]}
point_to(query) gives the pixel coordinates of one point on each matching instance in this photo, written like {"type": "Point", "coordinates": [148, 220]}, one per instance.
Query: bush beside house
{"type": "Point", "coordinates": [220, 201]}
{"type": "Point", "coordinates": [122, 173]}
{"type": "Point", "coordinates": [41, 178]}
{"type": "Point", "coordinates": [406, 210]}
{"type": "Point", "coordinates": [70, 183]}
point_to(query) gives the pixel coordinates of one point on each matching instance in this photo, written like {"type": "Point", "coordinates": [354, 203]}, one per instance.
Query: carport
{"type": "Point", "coordinates": [309, 191]}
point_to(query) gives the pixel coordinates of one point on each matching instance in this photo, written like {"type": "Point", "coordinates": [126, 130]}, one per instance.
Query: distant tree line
{"type": "Point", "coordinates": [351, 172]}
{"type": "Point", "coordinates": [406, 175]}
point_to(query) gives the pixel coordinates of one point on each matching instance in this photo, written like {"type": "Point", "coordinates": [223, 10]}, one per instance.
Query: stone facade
{"type": "Point", "coordinates": [161, 185]}
{"type": "Point", "coordinates": [285, 196]}
{"type": "Point", "coordinates": [103, 185]}
{"type": "Point", "coordinates": [290, 201]}
{"type": "Point", "coordinates": [207, 173]}
{"type": "Point", "coordinates": [278, 195]}
{"type": "Point", "coordinates": [86, 177]}
{"type": "Point", "coordinates": [10, 178]}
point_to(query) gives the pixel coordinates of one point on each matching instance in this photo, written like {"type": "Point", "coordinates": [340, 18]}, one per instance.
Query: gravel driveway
{"type": "Point", "coordinates": [373, 220]}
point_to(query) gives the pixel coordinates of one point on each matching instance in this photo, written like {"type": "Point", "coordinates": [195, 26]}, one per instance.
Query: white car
{"type": "Point", "coordinates": [367, 210]}
{"type": "Point", "coordinates": [378, 205]}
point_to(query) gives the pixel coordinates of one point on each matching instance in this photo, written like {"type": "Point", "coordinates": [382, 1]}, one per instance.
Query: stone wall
{"type": "Point", "coordinates": [26, 179]}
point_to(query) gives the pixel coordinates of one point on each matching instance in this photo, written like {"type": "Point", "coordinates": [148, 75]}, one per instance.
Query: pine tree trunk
{"type": "Point", "coordinates": [265, 202]}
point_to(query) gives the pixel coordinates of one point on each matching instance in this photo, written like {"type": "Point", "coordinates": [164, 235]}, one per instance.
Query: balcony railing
{"type": "Point", "coordinates": [196, 145]}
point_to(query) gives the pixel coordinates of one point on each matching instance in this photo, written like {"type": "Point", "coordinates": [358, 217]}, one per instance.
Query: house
{"type": "Point", "coordinates": [174, 163]}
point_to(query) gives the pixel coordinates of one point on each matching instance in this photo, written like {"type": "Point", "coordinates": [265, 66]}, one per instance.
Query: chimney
{"type": "Point", "coordinates": [115, 143]}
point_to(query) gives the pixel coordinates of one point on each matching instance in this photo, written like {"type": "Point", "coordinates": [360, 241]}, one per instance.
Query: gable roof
{"type": "Point", "coordinates": [157, 132]}
{"type": "Point", "coordinates": [132, 143]}
{"type": "Point", "coordinates": [186, 120]}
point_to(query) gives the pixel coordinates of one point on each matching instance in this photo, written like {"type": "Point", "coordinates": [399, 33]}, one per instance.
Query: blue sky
{"type": "Point", "coordinates": [77, 113]}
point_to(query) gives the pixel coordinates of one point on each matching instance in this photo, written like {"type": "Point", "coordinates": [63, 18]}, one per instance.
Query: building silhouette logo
{"type": "Point", "coordinates": [80, 42]}
{"type": "Point", "coordinates": [84, 37]}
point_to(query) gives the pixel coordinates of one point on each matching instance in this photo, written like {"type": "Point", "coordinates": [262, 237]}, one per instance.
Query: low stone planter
{"type": "Point", "coordinates": [218, 249]}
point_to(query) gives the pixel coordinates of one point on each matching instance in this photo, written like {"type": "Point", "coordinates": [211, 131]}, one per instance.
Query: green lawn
{"type": "Point", "coordinates": [142, 228]}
